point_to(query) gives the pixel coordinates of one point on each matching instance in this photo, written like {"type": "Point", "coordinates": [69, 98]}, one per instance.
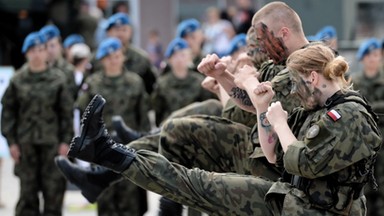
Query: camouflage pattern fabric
{"type": "Point", "coordinates": [37, 116]}
{"type": "Point", "coordinates": [235, 113]}
{"type": "Point", "coordinates": [138, 62]}
{"type": "Point", "coordinates": [126, 96]}
{"type": "Point", "coordinates": [68, 71]}
{"type": "Point", "coordinates": [222, 145]}
{"type": "Point", "coordinates": [373, 90]}
{"type": "Point", "coordinates": [38, 172]}
{"type": "Point", "coordinates": [329, 157]}
{"type": "Point", "coordinates": [208, 142]}
{"type": "Point", "coordinates": [211, 107]}
{"type": "Point", "coordinates": [333, 152]}
{"type": "Point", "coordinates": [205, 191]}
{"type": "Point", "coordinates": [37, 108]}
{"type": "Point", "coordinates": [172, 93]}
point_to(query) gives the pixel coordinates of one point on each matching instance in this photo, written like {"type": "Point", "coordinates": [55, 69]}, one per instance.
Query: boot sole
{"type": "Point", "coordinates": [95, 105]}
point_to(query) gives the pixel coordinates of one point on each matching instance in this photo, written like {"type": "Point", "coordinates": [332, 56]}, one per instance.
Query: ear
{"type": "Point", "coordinates": [314, 77]}
{"type": "Point", "coordinates": [285, 32]}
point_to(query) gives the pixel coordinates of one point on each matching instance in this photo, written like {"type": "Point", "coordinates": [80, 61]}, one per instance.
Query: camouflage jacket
{"type": "Point", "coordinates": [373, 90]}
{"type": "Point", "coordinates": [172, 93]}
{"type": "Point", "coordinates": [125, 96]}
{"type": "Point", "coordinates": [37, 108]}
{"type": "Point", "coordinates": [331, 161]}
{"type": "Point", "coordinates": [138, 62]}
{"type": "Point", "coordinates": [69, 70]}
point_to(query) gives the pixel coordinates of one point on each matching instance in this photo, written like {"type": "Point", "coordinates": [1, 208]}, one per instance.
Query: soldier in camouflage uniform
{"type": "Point", "coordinates": [125, 91]}
{"type": "Point", "coordinates": [55, 56]}
{"type": "Point", "coordinates": [37, 123]}
{"type": "Point", "coordinates": [136, 60]}
{"type": "Point", "coordinates": [370, 84]}
{"type": "Point", "coordinates": [180, 87]}
{"type": "Point", "coordinates": [190, 30]}
{"type": "Point", "coordinates": [326, 165]}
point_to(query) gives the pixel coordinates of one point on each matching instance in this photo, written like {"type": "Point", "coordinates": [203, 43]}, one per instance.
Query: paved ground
{"type": "Point", "coordinates": [74, 204]}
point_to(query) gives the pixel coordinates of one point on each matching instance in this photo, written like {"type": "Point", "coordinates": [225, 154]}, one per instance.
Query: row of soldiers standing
{"type": "Point", "coordinates": [47, 91]}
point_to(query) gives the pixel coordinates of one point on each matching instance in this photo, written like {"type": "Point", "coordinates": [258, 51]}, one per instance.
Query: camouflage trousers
{"type": "Point", "coordinates": [213, 193]}
{"type": "Point", "coordinates": [222, 193]}
{"type": "Point", "coordinates": [214, 144]}
{"type": "Point", "coordinates": [38, 173]}
{"type": "Point", "coordinates": [211, 107]}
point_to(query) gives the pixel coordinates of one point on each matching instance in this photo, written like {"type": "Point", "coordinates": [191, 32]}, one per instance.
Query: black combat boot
{"type": "Point", "coordinates": [91, 181]}
{"type": "Point", "coordinates": [95, 145]}
{"type": "Point", "coordinates": [123, 132]}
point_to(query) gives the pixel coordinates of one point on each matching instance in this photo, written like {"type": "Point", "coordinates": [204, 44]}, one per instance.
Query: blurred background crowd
{"type": "Point", "coordinates": [354, 20]}
{"type": "Point", "coordinates": [77, 37]}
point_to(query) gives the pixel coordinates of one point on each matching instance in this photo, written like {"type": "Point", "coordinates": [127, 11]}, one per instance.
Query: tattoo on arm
{"type": "Point", "coordinates": [272, 136]}
{"type": "Point", "coordinates": [264, 121]}
{"type": "Point", "coordinates": [241, 95]}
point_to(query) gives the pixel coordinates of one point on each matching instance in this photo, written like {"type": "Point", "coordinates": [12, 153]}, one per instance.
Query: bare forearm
{"type": "Point", "coordinates": [238, 95]}
{"type": "Point", "coordinates": [285, 135]}
{"type": "Point", "coordinates": [267, 136]}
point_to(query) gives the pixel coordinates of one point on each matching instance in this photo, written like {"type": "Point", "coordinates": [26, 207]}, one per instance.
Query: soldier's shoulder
{"type": "Point", "coordinates": [94, 77]}
{"type": "Point", "coordinates": [20, 73]}
{"type": "Point", "coordinates": [132, 75]}
{"type": "Point", "coordinates": [347, 111]}
{"type": "Point", "coordinates": [357, 76]}
{"type": "Point", "coordinates": [164, 80]}
{"type": "Point", "coordinates": [57, 73]}
{"type": "Point", "coordinates": [138, 52]}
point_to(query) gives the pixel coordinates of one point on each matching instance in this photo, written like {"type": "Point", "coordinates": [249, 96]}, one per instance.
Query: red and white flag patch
{"type": "Point", "coordinates": [334, 115]}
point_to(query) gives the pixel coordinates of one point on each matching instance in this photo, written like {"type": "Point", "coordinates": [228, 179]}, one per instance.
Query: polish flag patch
{"type": "Point", "coordinates": [334, 115]}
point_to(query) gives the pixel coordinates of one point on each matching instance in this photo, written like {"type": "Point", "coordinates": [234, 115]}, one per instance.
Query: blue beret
{"type": "Point", "coordinates": [118, 19]}
{"type": "Point", "coordinates": [312, 38]}
{"type": "Point", "coordinates": [33, 39]}
{"type": "Point", "coordinates": [186, 27]}
{"type": "Point", "coordinates": [366, 47]}
{"type": "Point", "coordinates": [50, 32]}
{"type": "Point", "coordinates": [73, 39]}
{"type": "Point", "coordinates": [108, 46]}
{"type": "Point", "coordinates": [174, 46]}
{"type": "Point", "coordinates": [326, 33]}
{"type": "Point", "coordinates": [237, 43]}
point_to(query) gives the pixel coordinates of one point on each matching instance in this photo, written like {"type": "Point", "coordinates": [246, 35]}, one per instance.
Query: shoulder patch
{"type": "Point", "coordinates": [313, 132]}
{"type": "Point", "coordinates": [334, 115]}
